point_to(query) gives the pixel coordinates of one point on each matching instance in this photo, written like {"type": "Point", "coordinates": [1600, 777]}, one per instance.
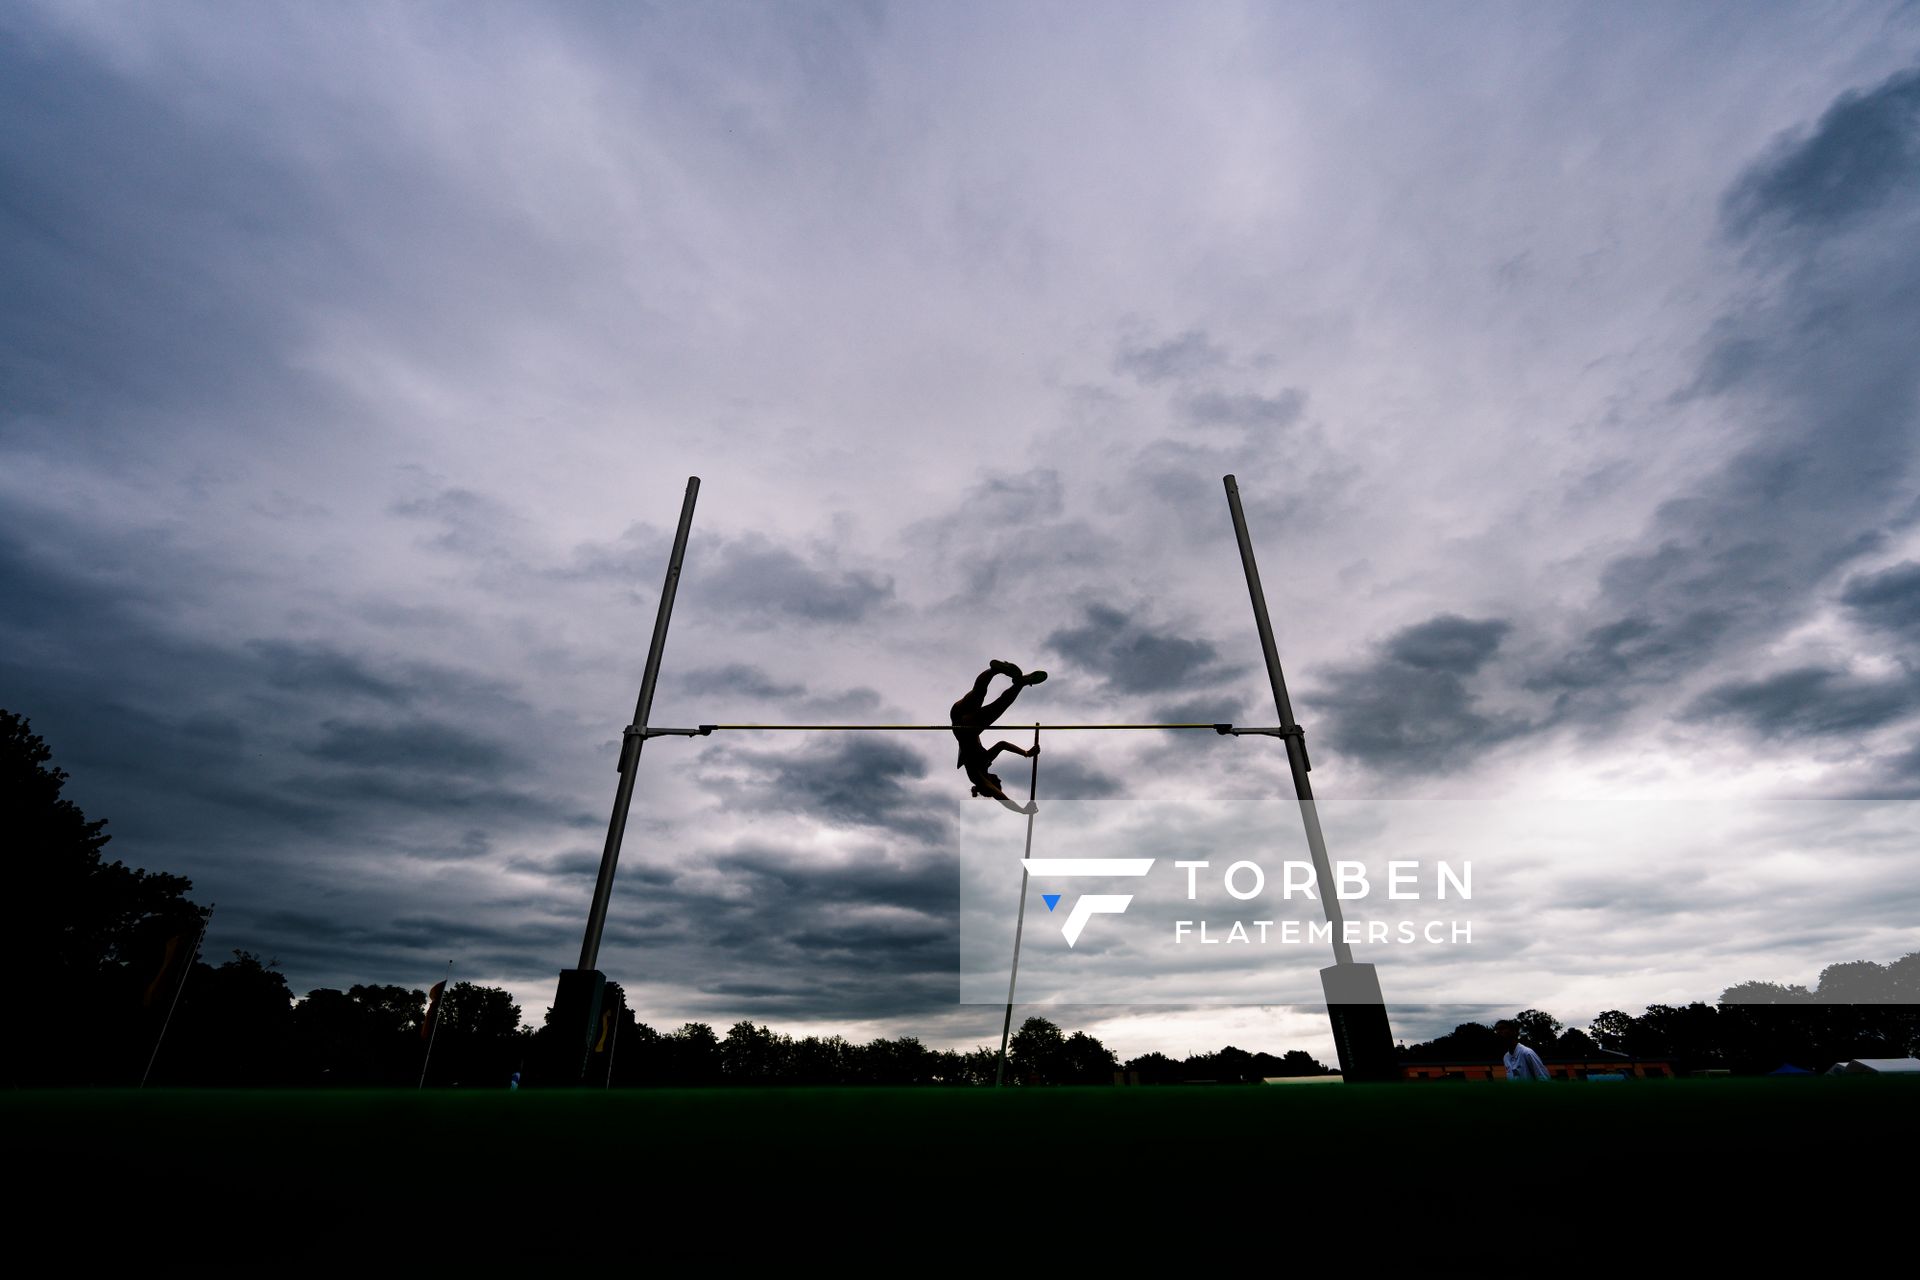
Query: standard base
{"type": "Point", "coordinates": [576, 1019]}
{"type": "Point", "coordinates": [1361, 1033]}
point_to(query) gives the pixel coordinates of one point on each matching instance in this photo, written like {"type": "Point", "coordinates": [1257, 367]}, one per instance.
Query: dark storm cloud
{"type": "Point", "coordinates": [1863, 153]}
{"type": "Point", "coordinates": [857, 780]}
{"type": "Point", "coordinates": [1212, 710]}
{"type": "Point", "coordinates": [1411, 709]}
{"type": "Point", "coordinates": [1889, 599]}
{"type": "Point", "coordinates": [1808, 700]}
{"type": "Point", "coordinates": [1819, 367]}
{"type": "Point", "coordinates": [423, 746]}
{"type": "Point", "coordinates": [1223, 409]}
{"type": "Point", "coordinates": [1634, 647]}
{"type": "Point", "coordinates": [1448, 643]}
{"type": "Point", "coordinates": [581, 864]}
{"type": "Point", "coordinates": [322, 671]}
{"type": "Point", "coordinates": [115, 199]}
{"type": "Point", "coordinates": [756, 576]}
{"type": "Point", "coordinates": [1191, 353]}
{"type": "Point", "coordinates": [1064, 778]}
{"type": "Point", "coordinates": [868, 935]}
{"type": "Point", "coordinates": [1129, 656]}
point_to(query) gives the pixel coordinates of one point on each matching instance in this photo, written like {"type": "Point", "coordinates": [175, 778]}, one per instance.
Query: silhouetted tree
{"type": "Point", "coordinates": [86, 937]}
{"type": "Point", "coordinates": [691, 1056]}
{"type": "Point", "coordinates": [1611, 1029]}
{"type": "Point", "coordinates": [1155, 1068]}
{"type": "Point", "coordinates": [753, 1054]}
{"type": "Point", "coordinates": [1538, 1030]}
{"type": "Point", "coordinates": [368, 1035]}
{"type": "Point", "coordinates": [1573, 1043]}
{"type": "Point", "coordinates": [479, 1043]}
{"type": "Point", "coordinates": [233, 1026]}
{"type": "Point", "coordinates": [1034, 1052]}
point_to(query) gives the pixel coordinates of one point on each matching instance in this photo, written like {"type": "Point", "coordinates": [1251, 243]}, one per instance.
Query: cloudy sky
{"type": "Point", "coordinates": [353, 361]}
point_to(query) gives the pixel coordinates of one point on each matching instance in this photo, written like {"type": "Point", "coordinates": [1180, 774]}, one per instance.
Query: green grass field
{"type": "Point", "coordinates": [878, 1145]}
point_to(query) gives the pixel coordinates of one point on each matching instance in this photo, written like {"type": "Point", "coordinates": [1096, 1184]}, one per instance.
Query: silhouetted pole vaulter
{"type": "Point", "coordinates": [576, 1006]}
{"type": "Point", "coordinates": [973, 712]}
{"type": "Point", "coordinates": [1020, 918]}
{"type": "Point", "coordinates": [1358, 1012]}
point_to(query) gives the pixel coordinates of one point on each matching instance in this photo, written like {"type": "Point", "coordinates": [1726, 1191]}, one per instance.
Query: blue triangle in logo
{"type": "Point", "coordinates": [1051, 899]}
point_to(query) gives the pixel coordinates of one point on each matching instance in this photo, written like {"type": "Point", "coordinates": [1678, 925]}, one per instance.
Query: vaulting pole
{"type": "Point", "coordinates": [577, 1003]}
{"type": "Point", "coordinates": [200, 938]}
{"type": "Point", "coordinates": [1020, 917]}
{"type": "Point", "coordinates": [1361, 1033]}
{"type": "Point", "coordinates": [434, 1016]}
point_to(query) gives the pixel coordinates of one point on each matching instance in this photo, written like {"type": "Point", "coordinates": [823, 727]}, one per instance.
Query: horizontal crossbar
{"type": "Point", "coordinates": [1009, 726]}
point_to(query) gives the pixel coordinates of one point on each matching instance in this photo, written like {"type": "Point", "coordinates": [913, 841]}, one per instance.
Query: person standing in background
{"type": "Point", "coordinates": [1521, 1062]}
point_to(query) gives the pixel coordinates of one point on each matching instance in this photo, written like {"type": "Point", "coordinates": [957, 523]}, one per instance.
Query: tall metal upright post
{"type": "Point", "coordinates": [576, 1006]}
{"type": "Point", "coordinates": [1362, 1035]}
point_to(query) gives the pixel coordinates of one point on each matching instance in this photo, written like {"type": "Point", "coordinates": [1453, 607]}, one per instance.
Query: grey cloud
{"type": "Point", "coordinates": [1132, 657]}
{"type": "Point", "coordinates": [1410, 708]}
{"type": "Point", "coordinates": [1449, 643]}
{"type": "Point", "coordinates": [736, 678]}
{"type": "Point", "coordinates": [1889, 599]}
{"type": "Point", "coordinates": [1222, 409]}
{"type": "Point", "coordinates": [465, 522]}
{"type": "Point", "coordinates": [116, 303]}
{"type": "Point", "coordinates": [323, 671]}
{"type": "Point", "coordinates": [1021, 498]}
{"type": "Point", "coordinates": [1225, 709]}
{"type": "Point", "coordinates": [416, 746]}
{"type": "Point", "coordinates": [1191, 353]}
{"type": "Point", "coordinates": [1817, 361]}
{"type": "Point", "coordinates": [1808, 700]}
{"type": "Point", "coordinates": [859, 780]}
{"type": "Point", "coordinates": [1064, 778]}
{"type": "Point", "coordinates": [755, 576]}
{"type": "Point", "coordinates": [1003, 531]}
{"type": "Point", "coordinates": [870, 936]}
{"type": "Point", "coordinates": [1863, 152]}
{"type": "Point", "coordinates": [750, 577]}
{"type": "Point", "coordinates": [579, 864]}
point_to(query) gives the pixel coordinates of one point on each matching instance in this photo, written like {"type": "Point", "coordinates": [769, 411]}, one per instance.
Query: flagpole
{"type": "Point", "coordinates": [433, 1032]}
{"type": "Point", "coordinates": [175, 1002]}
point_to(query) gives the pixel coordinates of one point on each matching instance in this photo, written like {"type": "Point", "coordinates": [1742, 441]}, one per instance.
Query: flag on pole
{"type": "Point", "coordinates": [606, 1030]}
{"type": "Point", "coordinates": [178, 953]}
{"type": "Point", "coordinates": [433, 1008]}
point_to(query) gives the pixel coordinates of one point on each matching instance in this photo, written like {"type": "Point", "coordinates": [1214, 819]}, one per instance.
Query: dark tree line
{"type": "Point", "coordinates": [1228, 1066]}
{"type": "Point", "coordinates": [1859, 1009]}
{"type": "Point", "coordinates": [103, 952]}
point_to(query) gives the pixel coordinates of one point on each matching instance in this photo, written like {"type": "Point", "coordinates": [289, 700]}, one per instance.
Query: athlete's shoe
{"type": "Point", "coordinates": [1036, 677]}
{"type": "Point", "coordinates": [1004, 668]}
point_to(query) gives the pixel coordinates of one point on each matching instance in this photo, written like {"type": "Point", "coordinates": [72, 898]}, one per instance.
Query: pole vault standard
{"type": "Point", "coordinates": [1361, 1034]}
{"type": "Point", "coordinates": [1354, 1003]}
{"type": "Point", "coordinates": [576, 1005]}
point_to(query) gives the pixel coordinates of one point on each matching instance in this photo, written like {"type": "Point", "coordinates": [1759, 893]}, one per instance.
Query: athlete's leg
{"type": "Point", "coordinates": [993, 710]}
{"type": "Point", "coordinates": [967, 710]}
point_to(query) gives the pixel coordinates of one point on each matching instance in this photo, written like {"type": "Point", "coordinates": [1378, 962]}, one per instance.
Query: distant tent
{"type": "Point", "coordinates": [1874, 1066]}
{"type": "Point", "coordinates": [1788, 1069]}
